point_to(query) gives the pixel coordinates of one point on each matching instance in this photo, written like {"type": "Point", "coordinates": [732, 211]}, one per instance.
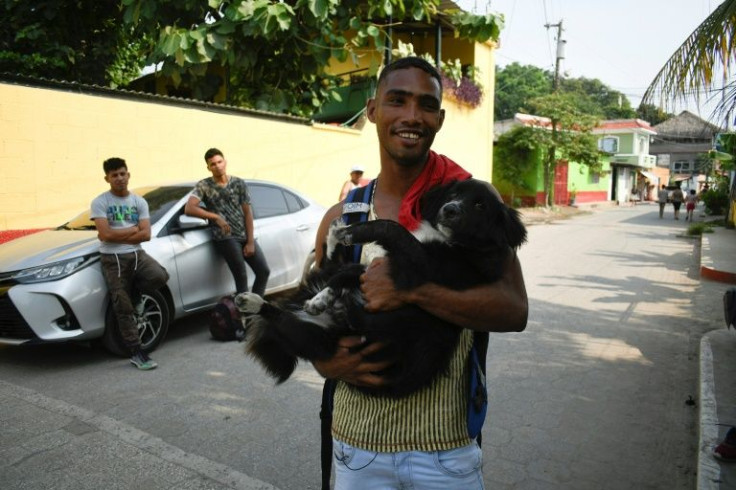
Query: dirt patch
{"type": "Point", "coordinates": [539, 215]}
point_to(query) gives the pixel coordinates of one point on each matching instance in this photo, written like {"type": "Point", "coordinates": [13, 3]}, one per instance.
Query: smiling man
{"type": "Point", "coordinates": [420, 441]}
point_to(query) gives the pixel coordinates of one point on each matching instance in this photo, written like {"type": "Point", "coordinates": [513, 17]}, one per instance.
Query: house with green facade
{"type": "Point", "coordinates": [625, 167]}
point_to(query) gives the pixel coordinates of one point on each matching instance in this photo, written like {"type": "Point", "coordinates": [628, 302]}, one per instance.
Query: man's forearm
{"type": "Point", "coordinates": [130, 236]}
{"type": "Point", "coordinates": [484, 309]}
{"type": "Point", "coordinates": [498, 307]}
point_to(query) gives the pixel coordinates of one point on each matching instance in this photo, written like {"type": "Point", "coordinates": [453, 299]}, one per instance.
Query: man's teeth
{"type": "Point", "coordinates": [413, 136]}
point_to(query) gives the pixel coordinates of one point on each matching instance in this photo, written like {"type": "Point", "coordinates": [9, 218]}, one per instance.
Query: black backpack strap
{"type": "Point", "coordinates": [355, 209]}
{"type": "Point", "coordinates": [480, 344]}
{"type": "Point", "coordinates": [325, 415]}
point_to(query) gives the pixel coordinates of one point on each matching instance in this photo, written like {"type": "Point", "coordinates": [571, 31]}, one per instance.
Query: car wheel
{"type": "Point", "coordinates": [309, 265]}
{"type": "Point", "coordinates": [153, 323]}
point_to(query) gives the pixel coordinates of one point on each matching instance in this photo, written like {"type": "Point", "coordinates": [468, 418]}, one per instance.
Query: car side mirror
{"type": "Point", "coordinates": [191, 222]}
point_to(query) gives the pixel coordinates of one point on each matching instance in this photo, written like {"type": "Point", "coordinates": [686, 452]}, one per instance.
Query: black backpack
{"type": "Point", "coordinates": [225, 322]}
{"type": "Point", "coordinates": [356, 209]}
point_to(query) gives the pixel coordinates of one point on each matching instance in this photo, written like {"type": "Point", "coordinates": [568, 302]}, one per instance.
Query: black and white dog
{"type": "Point", "coordinates": [465, 238]}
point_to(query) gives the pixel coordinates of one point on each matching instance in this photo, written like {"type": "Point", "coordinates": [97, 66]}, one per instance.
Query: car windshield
{"type": "Point", "coordinates": [160, 200]}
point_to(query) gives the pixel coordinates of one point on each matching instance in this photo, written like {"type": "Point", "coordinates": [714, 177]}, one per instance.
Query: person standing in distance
{"type": "Point", "coordinates": [420, 441]}
{"type": "Point", "coordinates": [123, 223]}
{"type": "Point", "coordinates": [228, 209]}
{"type": "Point", "coordinates": [356, 180]}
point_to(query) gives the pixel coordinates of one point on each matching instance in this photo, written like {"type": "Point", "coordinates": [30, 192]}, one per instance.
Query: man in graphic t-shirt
{"type": "Point", "coordinates": [227, 202]}
{"type": "Point", "coordinates": [123, 222]}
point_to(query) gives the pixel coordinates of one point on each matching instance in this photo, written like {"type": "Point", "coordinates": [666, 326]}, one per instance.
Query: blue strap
{"type": "Point", "coordinates": [356, 208]}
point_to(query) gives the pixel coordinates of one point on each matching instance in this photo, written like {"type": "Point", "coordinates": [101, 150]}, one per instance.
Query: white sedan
{"type": "Point", "coordinates": [52, 289]}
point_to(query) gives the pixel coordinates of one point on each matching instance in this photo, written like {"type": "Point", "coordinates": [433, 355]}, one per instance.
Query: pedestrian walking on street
{"type": "Point", "coordinates": [662, 197]}
{"type": "Point", "coordinates": [690, 200]}
{"type": "Point", "coordinates": [677, 198]}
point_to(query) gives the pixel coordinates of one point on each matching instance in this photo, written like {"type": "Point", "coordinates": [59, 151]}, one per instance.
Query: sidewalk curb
{"type": "Point", "coordinates": [709, 471]}
{"type": "Point", "coordinates": [707, 267]}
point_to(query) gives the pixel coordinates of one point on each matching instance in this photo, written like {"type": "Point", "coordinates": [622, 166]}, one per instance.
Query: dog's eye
{"type": "Point", "coordinates": [480, 206]}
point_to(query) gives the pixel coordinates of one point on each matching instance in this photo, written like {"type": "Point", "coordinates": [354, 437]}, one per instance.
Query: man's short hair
{"type": "Point", "coordinates": [112, 164]}
{"type": "Point", "coordinates": [211, 153]}
{"type": "Point", "coordinates": [410, 62]}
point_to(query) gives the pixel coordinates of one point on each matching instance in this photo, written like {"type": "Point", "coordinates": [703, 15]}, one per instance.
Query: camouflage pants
{"type": "Point", "coordinates": [125, 275]}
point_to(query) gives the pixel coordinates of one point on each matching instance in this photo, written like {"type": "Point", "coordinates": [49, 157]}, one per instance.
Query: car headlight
{"type": "Point", "coordinates": [55, 271]}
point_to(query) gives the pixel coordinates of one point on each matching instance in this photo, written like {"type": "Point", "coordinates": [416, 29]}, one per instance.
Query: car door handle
{"type": "Point", "coordinates": [302, 228]}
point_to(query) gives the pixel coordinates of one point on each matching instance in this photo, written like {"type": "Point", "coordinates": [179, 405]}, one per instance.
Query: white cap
{"type": "Point", "coordinates": [357, 168]}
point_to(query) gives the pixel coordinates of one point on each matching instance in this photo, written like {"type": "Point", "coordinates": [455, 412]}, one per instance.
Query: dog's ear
{"type": "Point", "coordinates": [513, 227]}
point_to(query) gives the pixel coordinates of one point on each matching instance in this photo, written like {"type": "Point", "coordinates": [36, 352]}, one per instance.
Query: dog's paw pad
{"type": "Point", "coordinates": [249, 302]}
{"type": "Point", "coordinates": [320, 302]}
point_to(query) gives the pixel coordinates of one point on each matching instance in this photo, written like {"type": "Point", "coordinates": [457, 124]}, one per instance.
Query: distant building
{"type": "Point", "coordinates": [680, 145]}
{"type": "Point", "coordinates": [633, 172]}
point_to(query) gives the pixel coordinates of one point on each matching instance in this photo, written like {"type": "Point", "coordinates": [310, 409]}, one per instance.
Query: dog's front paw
{"type": "Point", "coordinates": [320, 302]}
{"type": "Point", "coordinates": [249, 302]}
{"type": "Point", "coordinates": [335, 236]}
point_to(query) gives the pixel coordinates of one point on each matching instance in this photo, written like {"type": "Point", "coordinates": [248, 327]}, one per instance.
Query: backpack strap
{"type": "Point", "coordinates": [355, 209]}
{"type": "Point", "coordinates": [478, 401]}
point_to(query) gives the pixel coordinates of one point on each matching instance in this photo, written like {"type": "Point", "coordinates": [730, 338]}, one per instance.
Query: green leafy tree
{"type": "Point", "coordinates": [75, 40]}
{"type": "Point", "coordinates": [569, 137]}
{"type": "Point", "coordinates": [273, 54]}
{"type": "Point", "coordinates": [515, 85]}
{"type": "Point", "coordinates": [597, 98]}
{"type": "Point", "coordinates": [703, 59]}
{"type": "Point", "coordinates": [652, 114]}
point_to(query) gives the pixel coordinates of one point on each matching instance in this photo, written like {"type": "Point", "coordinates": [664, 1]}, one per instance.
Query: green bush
{"type": "Point", "coordinates": [699, 228]}
{"type": "Point", "coordinates": [716, 200]}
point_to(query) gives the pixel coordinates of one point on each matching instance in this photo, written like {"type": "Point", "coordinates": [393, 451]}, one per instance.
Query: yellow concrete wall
{"type": "Point", "coordinates": [53, 142]}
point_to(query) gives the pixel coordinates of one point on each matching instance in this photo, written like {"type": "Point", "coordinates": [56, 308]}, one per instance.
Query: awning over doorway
{"type": "Point", "coordinates": [649, 175]}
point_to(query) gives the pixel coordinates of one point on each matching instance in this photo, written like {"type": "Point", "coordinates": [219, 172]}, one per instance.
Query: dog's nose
{"type": "Point", "coordinates": [451, 210]}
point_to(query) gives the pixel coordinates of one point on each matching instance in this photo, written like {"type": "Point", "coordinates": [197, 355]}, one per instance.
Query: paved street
{"type": "Point", "coordinates": [594, 395]}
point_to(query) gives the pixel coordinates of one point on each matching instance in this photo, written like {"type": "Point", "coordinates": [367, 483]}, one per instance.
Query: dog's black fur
{"type": "Point", "coordinates": [466, 237]}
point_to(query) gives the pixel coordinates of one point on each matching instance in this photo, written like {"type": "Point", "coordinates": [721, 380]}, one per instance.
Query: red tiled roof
{"type": "Point", "coordinates": [625, 124]}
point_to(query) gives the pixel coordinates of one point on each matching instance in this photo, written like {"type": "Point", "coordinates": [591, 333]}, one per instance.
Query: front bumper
{"type": "Point", "coordinates": [72, 308]}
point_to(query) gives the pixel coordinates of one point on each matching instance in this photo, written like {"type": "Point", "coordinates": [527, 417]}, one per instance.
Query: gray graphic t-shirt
{"type": "Point", "coordinates": [227, 201]}
{"type": "Point", "coordinates": [121, 212]}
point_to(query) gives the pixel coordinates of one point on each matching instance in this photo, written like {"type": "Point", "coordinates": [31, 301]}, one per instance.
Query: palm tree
{"type": "Point", "coordinates": [695, 64]}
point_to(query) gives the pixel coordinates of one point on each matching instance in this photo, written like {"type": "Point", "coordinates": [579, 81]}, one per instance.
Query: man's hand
{"type": "Point", "coordinates": [249, 249]}
{"type": "Point", "coordinates": [378, 288]}
{"type": "Point", "coordinates": [347, 364]}
{"type": "Point", "coordinates": [224, 226]}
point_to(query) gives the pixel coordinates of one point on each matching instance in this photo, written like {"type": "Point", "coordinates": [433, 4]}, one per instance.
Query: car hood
{"type": "Point", "coordinates": [46, 247]}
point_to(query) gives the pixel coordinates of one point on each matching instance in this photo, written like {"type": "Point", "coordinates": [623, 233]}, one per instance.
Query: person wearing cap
{"type": "Point", "coordinates": [356, 180]}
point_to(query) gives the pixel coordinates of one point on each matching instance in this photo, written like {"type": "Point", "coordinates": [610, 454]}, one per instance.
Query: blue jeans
{"type": "Point", "coordinates": [231, 250]}
{"type": "Point", "coordinates": [454, 469]}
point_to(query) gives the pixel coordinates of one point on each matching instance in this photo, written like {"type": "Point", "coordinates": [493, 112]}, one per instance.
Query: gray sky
{"type": "Point", "coordinates": [623, 43]}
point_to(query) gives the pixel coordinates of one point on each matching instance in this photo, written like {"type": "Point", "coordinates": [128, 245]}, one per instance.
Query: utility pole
{"type": "Point", "coordinates": [550, 166]}
{"type": "Point", "coordinates": [560, 52]}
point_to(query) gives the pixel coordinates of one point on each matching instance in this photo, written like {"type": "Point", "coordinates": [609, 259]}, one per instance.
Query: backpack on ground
{"type": "Point", "coordinates": [356, 209]}
{"type": "Point", "coordinates": [729, 307]}
{"type": "Point", "coordinates": [225, 322]}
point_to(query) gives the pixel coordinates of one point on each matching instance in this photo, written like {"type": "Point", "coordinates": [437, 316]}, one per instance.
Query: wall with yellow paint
{"type": "Point", "coordinates": [53, 142]}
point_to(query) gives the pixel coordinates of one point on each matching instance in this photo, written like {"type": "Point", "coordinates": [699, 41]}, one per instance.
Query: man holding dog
{"type": "Point", "coordinates": [383, 442]}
